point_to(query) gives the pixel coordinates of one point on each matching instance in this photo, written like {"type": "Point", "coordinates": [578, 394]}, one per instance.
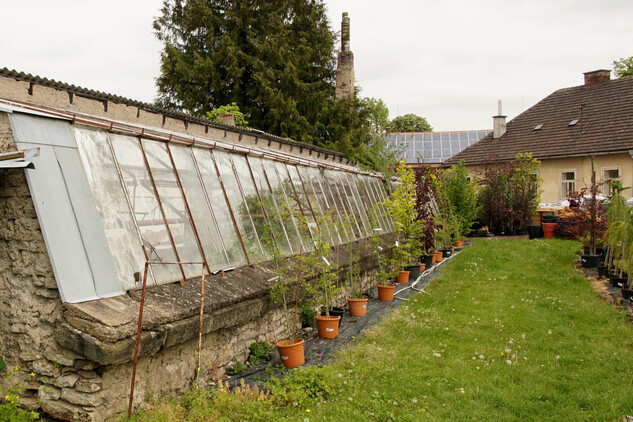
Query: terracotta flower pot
{"type": "Point", "coordinates": [422, 268]}
{"type": "Point", "coordinates": [327, 326]}
{"type": "Point", "coordinates": [291, 354]}
{"type": "Point", "coordinates": [403, 277]}
{"type": "Point", "coordinates": [385, 293]}
{"type": "Point", "coordinates": [357, 307]}
{"type": "Point", "coordinates": [439, 256]}
{"type": "Point", "coordinates": [459, 243]}
{"type": "Point", "coordinates": [549, 230]}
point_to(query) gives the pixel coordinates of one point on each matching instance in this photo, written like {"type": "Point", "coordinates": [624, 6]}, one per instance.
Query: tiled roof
{"type": "Point", "coordinates": [432, 147]}
{"type": "Point", "coordinates": [605, 125]}
{"type": "Point", "coordinates": [102, 96]}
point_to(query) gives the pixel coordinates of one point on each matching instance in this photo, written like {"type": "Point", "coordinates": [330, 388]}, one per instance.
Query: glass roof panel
{"type": "Point", "coordinates": [221, 209]}
{"type": "Point", "coordinates": [273, 233]}
{"type": "Point", "coordinates": [174, 207]}
{"type": "Point", "coordinates": [204, 221]}
{"type": "Point", "coordinates": [146, 208]}
{"type": "Point", "coordinates": [239, 205]}
{"type": "Point", "coordinates": [281, 200]}
{"type": "Point", "coordinates": [118, 223]}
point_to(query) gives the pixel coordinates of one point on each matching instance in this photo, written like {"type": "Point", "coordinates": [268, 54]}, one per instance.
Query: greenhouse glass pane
{"type": "Point", "coordinates": [349, 182]}
{"type": "Point", "coordinates": [174, 206]}
{"type": "Point", "coordinates": [382, 195]}
{"type": "Point", "coordinates": [116, 217]}
{"type": "Point", "coordinates": [220, 207]}
{"type": "Point", "coordinates": [275, 231]}
{"type": "Point", "coordinates": [318, 183]}
{"type": "Point", "coordinates": [341, 204]}
{"type": "Point", "coordinates": [283, 205]}
{"type": "Point", "coordinates": [324, 221]}
{"type": "Point", "coordinates": [295, 205]}
{"type": "Point", "coordinates": [146, 208]}
{"type": "Point", "coordinates": [332, 205]}
{"type": "Point", "coordinates": [247, 184]}
{"type": "Point", "coordinates": [239, 205]}
{"type": "Point", "coordinates": [212, 242]}
{"type": "Point", "coordinates": [379, 219]}
{"type": "Point", "coordinates": [303, 200]}
{"type": "Point", "coordinates": [360, 204]}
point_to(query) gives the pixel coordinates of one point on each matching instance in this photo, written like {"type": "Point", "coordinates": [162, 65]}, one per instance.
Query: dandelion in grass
{"type": "Point", "coordinates": [414, 400]}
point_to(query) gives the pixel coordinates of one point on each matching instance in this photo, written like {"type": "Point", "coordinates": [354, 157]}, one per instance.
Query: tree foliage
{"type": "Point", "coordinates": [275, 62]}
{"type": "Point", "coordinates": [458, 194]}
{"type": "Point", "coordinates": [215, 114]}
{"type": "Point", "coordinates": [623, 67]}
{"type": "Point", "coordinates": [410, 123]}
{"type": "Point", "coordinates": [378, 114]}
{"type": "Point", "coordinates": [273, 59]}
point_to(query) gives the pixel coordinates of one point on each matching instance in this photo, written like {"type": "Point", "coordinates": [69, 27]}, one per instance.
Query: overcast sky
{"type": "Point", "coordinates": [449, 61]}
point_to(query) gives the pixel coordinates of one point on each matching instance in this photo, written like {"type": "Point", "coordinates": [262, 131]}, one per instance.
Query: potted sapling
{"type": "Point", "coordinates": [285, 291]}
{"type": "Point", "coordinates": [385, 271]}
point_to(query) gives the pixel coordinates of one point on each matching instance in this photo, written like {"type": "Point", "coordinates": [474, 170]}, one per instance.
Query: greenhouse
{"type": "Point", "coordinates": [101, 195]}
{"type": "Point", "coordinates": [122, 200]}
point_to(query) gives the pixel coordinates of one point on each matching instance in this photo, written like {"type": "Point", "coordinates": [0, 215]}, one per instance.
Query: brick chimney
{"type": "Point", "coordinates": [499, 123]}
{"type": "Point", "coordinates": [345, 67]}
{"type": "Point", "coordinates": [227, 119]}
{"type": "Point", "coordinates": [597, 77]}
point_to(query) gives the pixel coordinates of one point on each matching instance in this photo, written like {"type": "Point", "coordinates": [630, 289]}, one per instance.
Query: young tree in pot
{"type": "Point", "coordinates": [585, 220]}
{"type": "Point", "coordinates": [458, 192]}
{"type": "Point", "coordinates": [401, 208]}
{"type": "Point", "coordinates": [525, 193]}
{"type": "Point", "coordinates": [619, 235]}
{"type": "Point", "coordinates": [325, 283]}
{"type": "Point", "coordinates": [426, 183]}
{"type": "Point", "coordinates": [291, 351]}
{"type": "Point", "coordinates": [383, 264]}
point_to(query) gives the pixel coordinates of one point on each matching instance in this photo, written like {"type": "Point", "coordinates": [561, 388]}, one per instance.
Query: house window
{"type": "Point", "coordinates": [567, 182]}
{"type": "Point", "coordinates": [608, 174]}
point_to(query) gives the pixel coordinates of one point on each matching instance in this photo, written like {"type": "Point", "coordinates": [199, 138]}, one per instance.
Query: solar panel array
{"type": "Point", "coordinates": [433, 147]}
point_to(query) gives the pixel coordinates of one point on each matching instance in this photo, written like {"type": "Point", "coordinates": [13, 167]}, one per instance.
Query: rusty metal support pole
{"type": "Point", "coordinates": [138, 340]}
{"type": "Point", "coordinates": [204, 267]}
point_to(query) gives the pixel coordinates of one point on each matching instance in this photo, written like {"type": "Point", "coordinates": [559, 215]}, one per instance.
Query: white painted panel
{"type": "Point", "coordinates": [101, 261]}
{"type": "Point", "coordinates": [59, 227]}
{"type": "Point", "coordinates": [41, 130]}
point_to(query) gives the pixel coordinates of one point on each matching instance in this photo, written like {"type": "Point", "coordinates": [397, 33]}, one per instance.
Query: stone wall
{"type": "Point", "coordinates": [30, 306]}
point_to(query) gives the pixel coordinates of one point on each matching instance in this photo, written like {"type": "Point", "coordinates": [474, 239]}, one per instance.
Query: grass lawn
{"type": "Point", "coordinates": [509, 331]}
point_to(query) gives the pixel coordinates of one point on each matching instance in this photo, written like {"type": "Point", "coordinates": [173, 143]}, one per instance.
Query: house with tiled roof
{"type": "Point", "coordinates": [564, 131]}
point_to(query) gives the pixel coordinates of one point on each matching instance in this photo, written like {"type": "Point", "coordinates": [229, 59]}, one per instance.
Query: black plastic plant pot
{"type": "Point", "coordinates": [590, 261]}
{"type": "Point", "coordinates": [427, 260]}
{"type": "Point", "coordinates": [414, 271]}
{"type": "Point", "coordinates": [535, 232]}
{"type": "Point", "coordinates": [627, 294]}
{"type": "Point", "coordinates": [602, 271]}
{"type": "Point", "coordinates": [447, 252]}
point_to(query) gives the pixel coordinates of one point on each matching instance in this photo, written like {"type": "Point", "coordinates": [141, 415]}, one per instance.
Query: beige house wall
{"type": "Point", "coordinates": [552, 169]}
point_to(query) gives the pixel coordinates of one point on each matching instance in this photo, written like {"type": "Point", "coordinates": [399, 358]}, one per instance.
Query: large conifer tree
{"type": "Point", "coordinates": [273, 58]}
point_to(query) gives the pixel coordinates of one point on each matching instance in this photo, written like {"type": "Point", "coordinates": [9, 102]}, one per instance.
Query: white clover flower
{"type": "Point", "coordinates": [509, 362]}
